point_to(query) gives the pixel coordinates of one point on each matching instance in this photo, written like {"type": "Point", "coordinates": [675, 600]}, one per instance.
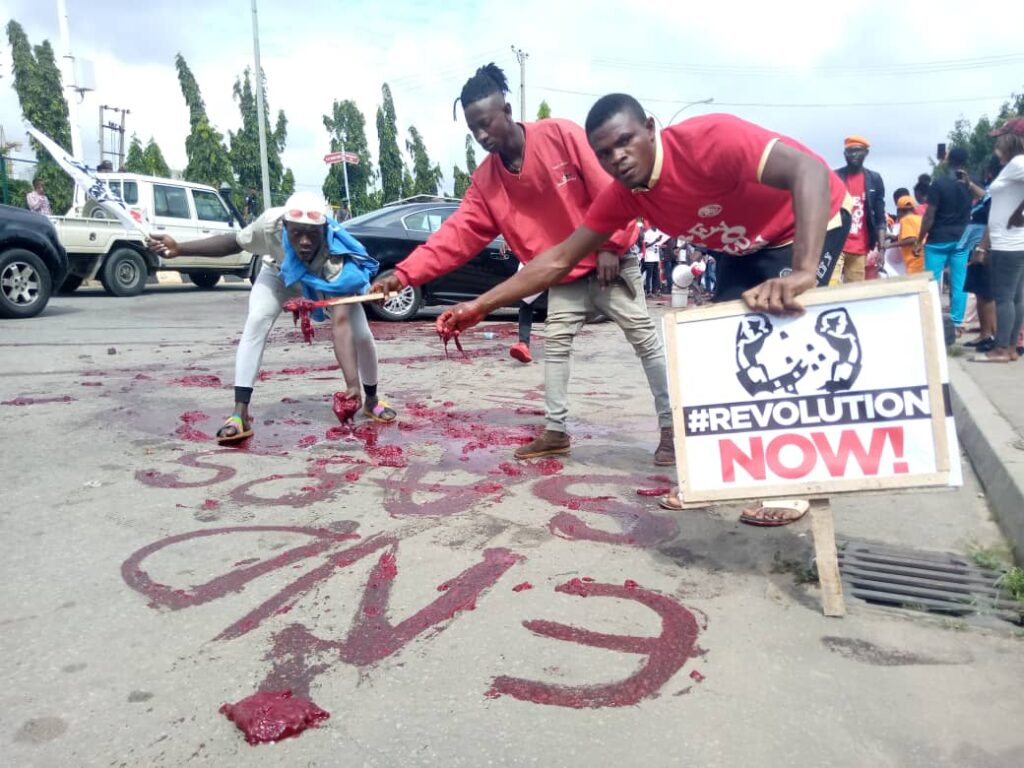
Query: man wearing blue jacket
{"type": "Point", "coordinates": [307, 253]}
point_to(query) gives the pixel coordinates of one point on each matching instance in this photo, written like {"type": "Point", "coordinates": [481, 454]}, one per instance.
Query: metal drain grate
{"type": "Point", "coordinates": [928, 581]}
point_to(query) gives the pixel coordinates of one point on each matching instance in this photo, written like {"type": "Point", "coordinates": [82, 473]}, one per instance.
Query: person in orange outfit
{"type": "Point", "coordinates": [910, 228]}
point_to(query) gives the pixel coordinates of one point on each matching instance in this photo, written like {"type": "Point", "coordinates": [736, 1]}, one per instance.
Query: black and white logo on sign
{"type": "Point", "coordinates": [801, 360]}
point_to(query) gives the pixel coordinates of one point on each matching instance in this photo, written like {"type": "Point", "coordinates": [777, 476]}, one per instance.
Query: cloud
{"type": "Point", "coordinates": [757, 60]}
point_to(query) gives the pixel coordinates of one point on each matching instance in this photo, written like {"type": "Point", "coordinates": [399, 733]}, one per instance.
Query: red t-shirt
{"type": "Point", "coordinates": [535, 209]}
{"type": "Point", "coordinates": [857, 240]}
{"type": "Point", "coordinates": [709, 190]}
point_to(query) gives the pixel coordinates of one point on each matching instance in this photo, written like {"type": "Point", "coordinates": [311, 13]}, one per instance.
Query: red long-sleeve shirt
{"type": "Point", "coordinates": [533, 210]}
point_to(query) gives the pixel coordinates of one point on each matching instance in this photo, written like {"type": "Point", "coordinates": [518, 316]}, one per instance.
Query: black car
{"type": "Point", "coordinates": [393, 232]}
{"type": "Point", "coordinates": [32, 262]}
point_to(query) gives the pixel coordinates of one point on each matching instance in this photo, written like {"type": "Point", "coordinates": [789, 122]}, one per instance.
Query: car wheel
{"type": "Point", "coordinates": [204, 279]}
{"type": "Point", "coordinates": [71, 284]}
{"type": "Point", "coordinates": [24, 284]}
{"type": "Point", "coordinates": [404, 306]}
{"type": "Point", "coordinates": [124, 273]}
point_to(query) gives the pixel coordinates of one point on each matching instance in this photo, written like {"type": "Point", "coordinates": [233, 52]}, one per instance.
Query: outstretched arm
{"type": "Point", "coordinates": [209, 247]}
{"type": "Point", "coordinates": [542, 272]}
{"type": "Point", "coordinates": [807, 180]}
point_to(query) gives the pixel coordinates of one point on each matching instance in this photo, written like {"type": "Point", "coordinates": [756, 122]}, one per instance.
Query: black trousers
{"type": "Point", "coordinates": [737, 274]}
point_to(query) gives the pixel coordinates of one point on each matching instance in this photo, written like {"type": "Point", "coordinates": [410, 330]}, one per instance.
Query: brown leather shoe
{"type": "Point", "coordinates": [665, 453]}
{"type": "Point", "coordinates": [549, 443]}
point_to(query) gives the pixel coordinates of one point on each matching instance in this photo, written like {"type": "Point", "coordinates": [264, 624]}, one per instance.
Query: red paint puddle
{"type": "Point", "coordinates": [660, 491]}
{"type": "Point", "coordinates": [38, 400]}
{"type": "Point", "coordinates": [522, 587]}
{"type": "Point", "coordinates": [630, 584]}
{"type": "Point", "coordinates": [211, 504]}
{"type": "Point", "coordinates": [697, 676]}
{"type": "Point", "coordinates": [307, 441]}
{"type": "Point", "coordinates": [270, 716]}
{"type": "Point", "coordinates": [187, 432]}
{"type": "Point", "coordinates": [207, 381]}
{"type": "Point", "coordinates": [344, 407]}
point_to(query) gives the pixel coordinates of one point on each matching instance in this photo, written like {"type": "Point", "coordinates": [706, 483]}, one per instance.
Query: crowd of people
{"type": "Point", "coordinates": [600, 215]}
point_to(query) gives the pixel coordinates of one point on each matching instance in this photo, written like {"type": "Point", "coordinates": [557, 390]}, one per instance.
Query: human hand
{"type": "Point", "coordinates": [918, 250]}
{"type": "Point", "coordinates": [979, 255]}
{"type": "Point", "coordinates": [390, 284]}
{"type": "Point", "coordinates": [607, 268]}
{"type": "Point", "coordinates": [164, 246]}
{"type": "Point", "coordinates": [457, 319]}
{"type": "Point", "coordinates": [777, 296]}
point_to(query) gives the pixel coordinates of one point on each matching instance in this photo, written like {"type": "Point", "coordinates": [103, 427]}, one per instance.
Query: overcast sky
{"type": "Point", "coordinates": [898, 73]}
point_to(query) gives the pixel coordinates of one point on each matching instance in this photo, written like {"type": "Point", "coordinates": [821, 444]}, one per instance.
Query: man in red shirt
{"type": "Point", "coordinates": [867, 223]}
{"type": "Point", "coordinates": [534, 188]}
{"type": "Point", "coordinates": [767, 209]}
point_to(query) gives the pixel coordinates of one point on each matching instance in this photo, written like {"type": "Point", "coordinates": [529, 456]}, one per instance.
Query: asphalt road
{"type": "Point", "coordinates": [445, 604]}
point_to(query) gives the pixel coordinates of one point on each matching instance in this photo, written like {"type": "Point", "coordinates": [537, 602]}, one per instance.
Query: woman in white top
{"type": "Point", "coordinates": [1003, 243]}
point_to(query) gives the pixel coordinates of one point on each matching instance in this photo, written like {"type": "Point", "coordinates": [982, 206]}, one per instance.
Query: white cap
{"type": "Point", "coordinates": [305, 208]}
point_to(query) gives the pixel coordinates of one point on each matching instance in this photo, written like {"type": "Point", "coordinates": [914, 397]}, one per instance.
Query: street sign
{"type": "Point", "coordinates": [337, 157]}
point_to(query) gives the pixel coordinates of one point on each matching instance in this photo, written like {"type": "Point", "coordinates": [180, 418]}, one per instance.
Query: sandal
{"type": "Point", "coordinates": [671, 501]}
{"type": "Point", "coordinates": [234, 421]}
{"type": "Point", "coordinates": [774, 513]}
{"type": "Point", "coordinates": [381, 412]}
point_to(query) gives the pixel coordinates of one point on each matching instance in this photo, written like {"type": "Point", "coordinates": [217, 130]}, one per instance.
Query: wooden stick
{"type": "Point", "coordinates": [824, 533]}
{"type": "Point", "coordinates": [355, 299]}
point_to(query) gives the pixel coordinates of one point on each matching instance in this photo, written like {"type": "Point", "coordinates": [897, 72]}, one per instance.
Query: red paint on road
{"type": "Point", "coordinates": [270, 716]}
{"type": "Point", "coordinates": [665, 654]}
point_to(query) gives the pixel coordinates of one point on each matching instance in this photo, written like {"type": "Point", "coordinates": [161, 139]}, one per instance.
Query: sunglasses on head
{"type": "Point", "coordinates": [317, 217]}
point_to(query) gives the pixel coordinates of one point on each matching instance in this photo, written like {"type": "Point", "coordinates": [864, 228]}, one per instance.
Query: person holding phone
{"type": "Point", "coordinates": [949, 211]}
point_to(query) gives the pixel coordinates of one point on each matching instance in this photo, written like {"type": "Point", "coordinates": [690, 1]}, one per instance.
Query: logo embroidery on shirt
{"type": "Point", "coordinates": [709, 210]}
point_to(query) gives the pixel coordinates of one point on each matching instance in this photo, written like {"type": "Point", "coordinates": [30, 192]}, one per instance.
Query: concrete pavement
{"type": "Point", "coordinates": [445, 604]}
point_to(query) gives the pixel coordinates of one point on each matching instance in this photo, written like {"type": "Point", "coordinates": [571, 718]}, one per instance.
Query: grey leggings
{"type": "Point", "coordinates": [1007, 270]}
{"type": "Point", "coordinates": [265, 300]}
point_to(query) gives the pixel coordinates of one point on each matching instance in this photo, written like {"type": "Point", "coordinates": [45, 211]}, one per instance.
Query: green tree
{"type": "Point", "coordinates": [976, 139]}
{"type": "Point", "coordinates": [462, 181]}
{"type": "Point", "coordinates": [346, 126]}
{"type": "Point", "coordinates": [544, 110]}
{"type": "Point", "coordinates": [40, 92]}
{"type": "Point", "coordinates": [470, 155]}
{"type": "Point", "coordinates": [426, 177]}
{"type": "Point", "coordinates": [154, 159]}
{"type": "Point", "coordinates": [408, 182]}
{"type": "Point", "coordinates": [389, 156]}
{"type": "Point", "coordinates": [135, 162]}
{"type": "Point", "coordinates": [208, 161]}
{"type": "Point", "coordinates": [245, 143]}
{"type": "Point", "coordinates": [287, 184]}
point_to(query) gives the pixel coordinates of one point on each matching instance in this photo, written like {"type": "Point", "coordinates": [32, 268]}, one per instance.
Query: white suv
{"type": "Point", "coordinates": [98, 246]}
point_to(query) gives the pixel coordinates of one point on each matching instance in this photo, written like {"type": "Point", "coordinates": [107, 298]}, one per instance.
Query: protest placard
{"type": "Point", "coordinates": [851, 396]}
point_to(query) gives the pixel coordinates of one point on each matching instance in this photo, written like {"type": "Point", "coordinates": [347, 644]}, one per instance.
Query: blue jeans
{"type": "Point", "coordinates": [936, 257]}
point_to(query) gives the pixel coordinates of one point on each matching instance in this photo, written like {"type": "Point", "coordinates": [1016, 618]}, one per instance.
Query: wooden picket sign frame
{"type": "Point", "coordinates": [820, 513]}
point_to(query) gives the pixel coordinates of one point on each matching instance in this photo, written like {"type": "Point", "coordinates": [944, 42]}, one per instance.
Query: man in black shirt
{"type": "Point", "coordinates": [949, 210]}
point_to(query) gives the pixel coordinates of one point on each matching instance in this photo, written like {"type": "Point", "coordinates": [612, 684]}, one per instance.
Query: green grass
{"type": "Point", "coordinates": [989, 558]}
{"type": "Point", "coordinates": [1013, 583]}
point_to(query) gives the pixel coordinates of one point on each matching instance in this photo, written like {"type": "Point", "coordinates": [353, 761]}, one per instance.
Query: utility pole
{"type": "Point", "coordinates": [261, 115]}
{"type": "Point", "coordinates": [70, 79]}
{"type": "Point", "coordinates": [521, 57]}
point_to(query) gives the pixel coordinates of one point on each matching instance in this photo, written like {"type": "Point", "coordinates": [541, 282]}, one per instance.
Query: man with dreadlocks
{"type": "Point", "coordinates": [534, 189]}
